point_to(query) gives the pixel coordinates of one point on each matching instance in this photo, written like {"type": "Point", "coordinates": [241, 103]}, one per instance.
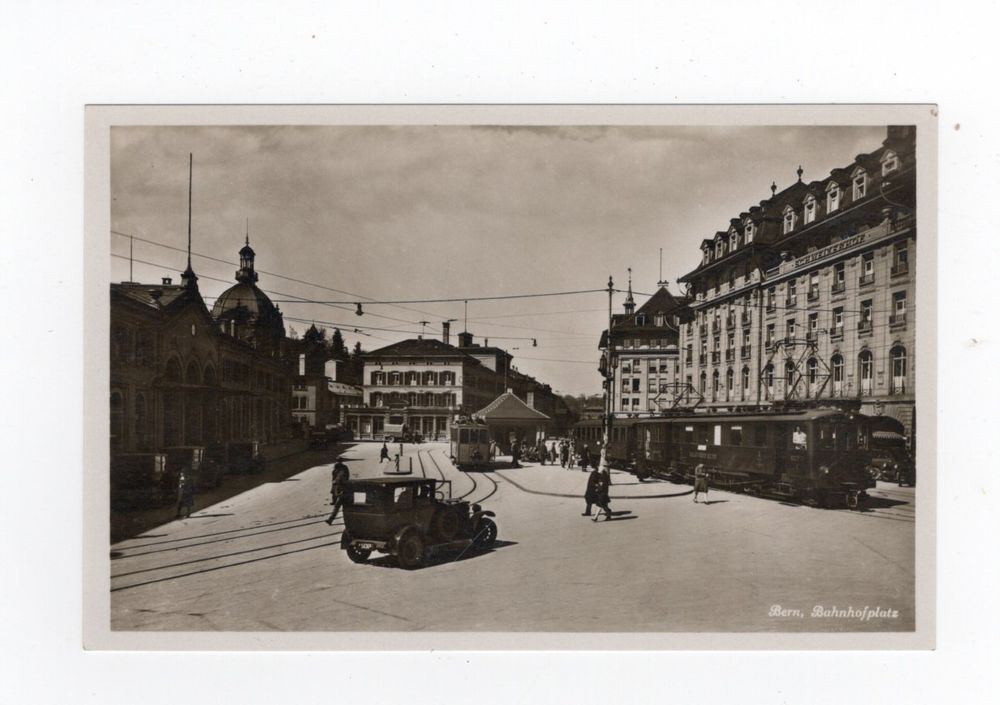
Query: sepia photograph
{"type": "Point", "coordinates": [511, 377]}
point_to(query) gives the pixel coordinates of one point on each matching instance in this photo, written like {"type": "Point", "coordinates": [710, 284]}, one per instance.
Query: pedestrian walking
{"type": "Point", "coordinates": [185, 493]}
{"type": "Point", "coordinates": [493, 450]}
{"type": "Point", "coordinates": [572, 455]}
{"type": "Point", "coordinates": [553, 454]}
{"type": "Point", "coordinates": [604, 493]}
{"type": "Point", "coordinates": [563, 453]}
{"type": "Point", "coordinates": [515, 453]}
{"type": "Point", "coordinates": [591, 495]}
{"type": "Point", "coordinates": [584, 458]}
{"type": "Point", "coordinates": [543, 453]}
{"type": "Point", "coordinates": [700, 481]}
{"type": "Point", "coordinates": [384, 453]}
{"type": "Point", "coordinates": [338, 487]}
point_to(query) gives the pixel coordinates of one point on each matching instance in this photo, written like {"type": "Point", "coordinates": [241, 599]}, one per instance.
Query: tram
{"type": "Point", "coordinates": [470, 444]}
{"type": "Point", "coordinates": [621, 453]}
{"type": "Point", "coordinates": [819, 456]}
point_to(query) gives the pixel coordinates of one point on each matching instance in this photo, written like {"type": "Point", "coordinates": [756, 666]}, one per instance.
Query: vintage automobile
{"type": "Point", "coordinates": [244, 457]}
{"type": "Point", "coordinates": [410, 518]}
{"type": "Point", "coordinates": [139, 481]}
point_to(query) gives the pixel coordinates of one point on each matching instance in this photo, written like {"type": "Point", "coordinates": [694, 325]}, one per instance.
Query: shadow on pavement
{"type": "Point", "coordinates": [715, 501]}
{"type": "Point", "coordinates": [442, 557]}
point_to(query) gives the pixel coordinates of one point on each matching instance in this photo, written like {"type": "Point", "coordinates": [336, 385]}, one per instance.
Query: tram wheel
{"type": "Point", "coordinates": [410, 551]}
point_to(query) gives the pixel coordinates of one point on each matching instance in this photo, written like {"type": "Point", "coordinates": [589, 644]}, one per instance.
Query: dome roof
{"type": "Point", "coordinates": [247, 296]}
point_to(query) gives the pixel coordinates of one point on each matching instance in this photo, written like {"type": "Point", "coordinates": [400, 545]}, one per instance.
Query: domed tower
{"type": "Point", "coordinates": [246, 313]}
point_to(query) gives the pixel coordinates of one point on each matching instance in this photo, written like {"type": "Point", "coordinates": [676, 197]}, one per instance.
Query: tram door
{"type": "Point", "coordinates": [780, 449]}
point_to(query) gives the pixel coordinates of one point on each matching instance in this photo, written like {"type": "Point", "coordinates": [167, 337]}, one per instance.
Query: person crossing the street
{"type": "Point", "coordinates": [338, 487]}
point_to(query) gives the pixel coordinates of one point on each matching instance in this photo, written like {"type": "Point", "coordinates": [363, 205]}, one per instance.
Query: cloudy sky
{"type": "Point", "coordinates": [404, 213]}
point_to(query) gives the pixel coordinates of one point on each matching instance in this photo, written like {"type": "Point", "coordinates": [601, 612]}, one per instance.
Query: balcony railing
{"type": "Point", "coordinates": [730, 321]}
{"type": "Point", "coordinates": [898, 386]}
{"type": "Point", "coordinates": [837, 332]}
{"type": "Point", "coordinates": [864, 327]}
{"type": "Point", "coordinates": [866, 279]}
{"type": "Point", "coordinates": [703, 330]}
{"type": "Point", "coordinates": [790, 301]}
{"type": "Point", "coordinates": [716, 325]}
{"type": "Point", "coordinates": [688, 358]}
{"type": "Point", "coordinates": [745, 352]}
{"type": "Point", "coordinates": [900, 268]}
{"type": "Point", "coordinates": [771, 306]}
{"type": "Point", "coordinates": [811, 336]}
{"type": "Point", "coordinates": [730, 355]}
{"type": "Point", "coordinates": [838, 288]}
{"type": "Point", "coordinates": [702, 359]}
{"type": "Point", "coordinates": [897, 319]}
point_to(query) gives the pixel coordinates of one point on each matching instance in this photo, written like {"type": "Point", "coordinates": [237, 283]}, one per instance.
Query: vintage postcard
{"type": "Point", "coordinates": [510, 377]}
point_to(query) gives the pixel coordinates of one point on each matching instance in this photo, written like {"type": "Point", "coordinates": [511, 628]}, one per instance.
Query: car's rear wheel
{"type": "Point", "coordinates": [358, 555]}
{"type": "Point", "coordinates": [410, 550]}
{"type": "Point", "coordinates": [486, 534]}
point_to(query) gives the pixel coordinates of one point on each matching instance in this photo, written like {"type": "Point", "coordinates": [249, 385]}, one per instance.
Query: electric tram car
{"type": "Point", "coordinates": [621, 453]}
{"type": "Point", "coordinates": [818, 456]}
{"type": "Point", "coordinates": [470, 444]}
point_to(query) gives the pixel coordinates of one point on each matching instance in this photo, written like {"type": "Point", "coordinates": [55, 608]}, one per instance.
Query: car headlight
{"type": "Point", "coordinates": [824, 469]}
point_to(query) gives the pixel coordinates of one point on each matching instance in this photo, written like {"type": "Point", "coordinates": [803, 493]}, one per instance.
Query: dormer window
{"type": "Point", "coordinates": [748, 231]}
{"type": "Point", "coordinates": [809, 210]}
{"type": "Point", "coordinates": [720, 248]}
{"type": "Point", "coordinates": [660, 319]}
{"type": "Point", "coordinates": [890, 162]}
{"type": "Point", "coordinates": [706, 256]}
{"type": "Point", "coordinates": [832, 197]}
{"type": "Point", "coordinates": [734, 240]}
{"type": "Point", "coordinates": [640, 320]}
{"type": "Point", "coordinates": [860, 181]}
{"type": "Point", "coordinates": [789, 220]}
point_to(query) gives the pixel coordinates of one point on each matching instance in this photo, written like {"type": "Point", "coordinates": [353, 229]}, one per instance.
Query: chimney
{"type": "Point", "coordinates": [446, 332]}
{"type": "Point", "coordinates": [465, 339]}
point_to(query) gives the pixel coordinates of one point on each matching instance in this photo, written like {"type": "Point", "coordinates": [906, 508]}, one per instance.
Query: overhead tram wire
{"type": "Point", "coordinates": [273, 274]}
{"type": "Point", "coordinates": [504, 297]}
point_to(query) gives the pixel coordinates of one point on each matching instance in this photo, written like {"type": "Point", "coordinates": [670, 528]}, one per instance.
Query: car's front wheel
{"type": "Point", "coordinates": [486, 534]}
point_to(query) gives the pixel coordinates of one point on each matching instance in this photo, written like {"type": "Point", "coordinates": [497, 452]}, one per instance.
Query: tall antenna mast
{"type": "Point", "coordinates": [190, 178]}
{"type": "Point", "coordinates": [130, 258]}
{"type": "Point", "coordinates": [661, 264]}
{"type": "Point", "coordinates": [466, 316]}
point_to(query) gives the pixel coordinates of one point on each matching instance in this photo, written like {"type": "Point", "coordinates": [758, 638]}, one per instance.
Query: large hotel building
{"type": "Point", "coordinates": [809, 296]}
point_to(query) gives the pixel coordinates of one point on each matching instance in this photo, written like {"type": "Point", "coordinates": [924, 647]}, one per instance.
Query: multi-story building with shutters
{"type": "Point", "coordinates": [809, 295]}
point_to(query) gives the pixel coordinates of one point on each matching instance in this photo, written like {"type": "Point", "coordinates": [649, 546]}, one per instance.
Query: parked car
{"type": "Point", "coordinates": [244, 457]}
{"type": "Point", "coordinates": [138, 480]}
{"type": "Point", "coordinates": [893, 464]}
{"type": "Point", "coordinates": [410, 518]}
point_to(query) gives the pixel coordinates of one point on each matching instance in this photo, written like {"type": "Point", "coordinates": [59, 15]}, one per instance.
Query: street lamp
{"type": "Point", "coordinates": [609, 367]}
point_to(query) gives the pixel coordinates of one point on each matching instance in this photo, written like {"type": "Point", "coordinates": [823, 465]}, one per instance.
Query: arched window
{"type": "Point", "coordinates": [730, 381]}
{"type": "Point", "coordinates": [715, 384]}
{"type": "Point", "coordinates": [117, 420]}
{"type": "Point", "coordinates": [208, 377]}
{"type": "Point", "coordinates": [395, 379]}
{"type": "Point", "coordinates": [193, 374]}
{"type": "Point", "coordinates": [745, 380]}
{"type": "Point", "coordinates": [898, 355]}
{"type": "Point", "coordinates": [789, 373]}
{"type": "Point", "coordinates": [411, 399]}
{"type": "Point", "coordinates": [701, 383]}
{"type": "Point", "coordinates": [734, 240]}
{"type": "Point", "coordinates": [812, 370]}
{"type": "Point", "coordinates": [788, 220]}
{"type": "Point", "coordinates": [832, 197]}
{"type": "Point", "coordinates": [748, 230]}
{"type": "Point", "coordinates": [866, 366]}
{"type": "Point", "coordinates": [837, 368]}
{"type": "Point", "coordinates": [172, 373]}
{"type": "Point", "coordinates": [809, 209]}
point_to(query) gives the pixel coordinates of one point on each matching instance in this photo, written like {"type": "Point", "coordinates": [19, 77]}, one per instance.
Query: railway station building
{"type": "Point", "coordinates": [182, 375]}
{"type": "Point", "coordinates": [808, 296]}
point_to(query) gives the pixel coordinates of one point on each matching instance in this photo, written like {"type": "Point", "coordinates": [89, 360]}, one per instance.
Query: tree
{"type": "Point", "coordinates": [358, 352]}
{"type": "Point", "coordinates": [314, 334]}
{"type": "Point", "coordinates": [337, 348]}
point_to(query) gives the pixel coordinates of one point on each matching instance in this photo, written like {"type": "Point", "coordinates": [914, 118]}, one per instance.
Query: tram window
{"type": "Point", "coordinates": [736, 435]}
{"type": "Point", "coordinates": [799, 438]}
{"type": "Point", "coordinates": [463, 435]}
{"type": "Point", "coordinates": [689, 434]}
{"type": "Point", "coordinates": [760, 435]}
{"type": "Point", "coordinates": [703, 435]}
{"type": "Point", "coordinates": [827, 437]}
